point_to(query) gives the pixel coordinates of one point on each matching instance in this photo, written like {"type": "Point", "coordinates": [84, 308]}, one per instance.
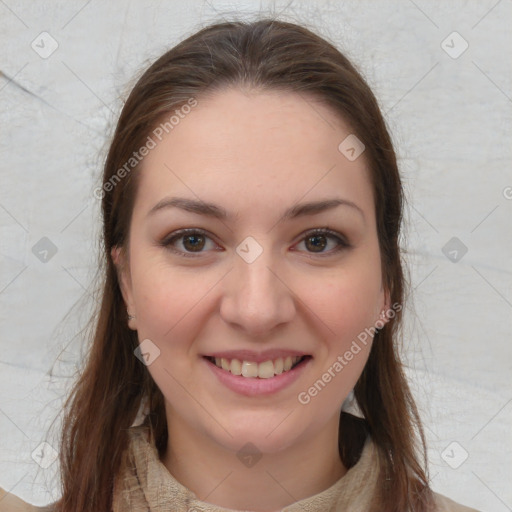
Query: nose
{"type": "Point", "coordinates": [256, 298]}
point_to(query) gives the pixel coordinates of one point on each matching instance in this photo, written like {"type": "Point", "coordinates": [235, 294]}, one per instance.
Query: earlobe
{"type": "Point", "coordinates": [383, 318]}
{"type": "Point", "coordinates": [386, 313]}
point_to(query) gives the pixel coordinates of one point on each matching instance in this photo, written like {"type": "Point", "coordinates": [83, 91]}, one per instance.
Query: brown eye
{"type": "Point", "coordinates": [317, 240]}
{"type": "Point", "coordinates": [318, 243]}
{"type": "Point", "coordinates": [193, 242]}
{"type": "Point", "coordinates": [186, 242]}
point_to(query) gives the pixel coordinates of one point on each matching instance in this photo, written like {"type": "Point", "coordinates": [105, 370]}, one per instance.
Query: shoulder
{"type": "Point", "coordinates": [11, 503]}
{"type": "Point", "coordinates": [445, 504]}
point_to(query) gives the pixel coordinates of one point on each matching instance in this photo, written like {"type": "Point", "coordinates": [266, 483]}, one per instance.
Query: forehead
{"type": "Point", "coordinates": [255, 151]}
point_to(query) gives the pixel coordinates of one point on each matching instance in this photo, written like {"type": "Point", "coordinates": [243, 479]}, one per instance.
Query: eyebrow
{"type": "Point", "coordinates": [215, 211]}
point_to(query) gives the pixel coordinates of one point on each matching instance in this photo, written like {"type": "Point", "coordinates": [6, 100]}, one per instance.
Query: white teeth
{"type": "Point", "coordinates": [278, 366]}
{"type": "Point", "coordinates": [236, 367]}
{"type": "Point", "coordinates": [251, 369]}
{"type": "Point", "coordinates": [266, 370]}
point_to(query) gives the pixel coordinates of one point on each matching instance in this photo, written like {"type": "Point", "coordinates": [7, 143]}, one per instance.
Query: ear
{"type": "Point", "coordinates": [386, 312]}
{"type": "Point", "coordinates": [122, 265]}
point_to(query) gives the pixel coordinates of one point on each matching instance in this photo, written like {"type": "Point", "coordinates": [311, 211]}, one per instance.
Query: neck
{"type": "Point", "coordinates": [215, 474]}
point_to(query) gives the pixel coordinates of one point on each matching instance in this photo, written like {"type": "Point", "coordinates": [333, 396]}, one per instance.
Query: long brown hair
{"type": "Point", "coordinates": [272, 55]}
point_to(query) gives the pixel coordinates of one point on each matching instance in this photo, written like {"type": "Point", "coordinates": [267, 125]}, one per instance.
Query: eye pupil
{"type": "Point", "coordinates": [317, 245]}
{"type": "Point", "coordinates": [194, 245]}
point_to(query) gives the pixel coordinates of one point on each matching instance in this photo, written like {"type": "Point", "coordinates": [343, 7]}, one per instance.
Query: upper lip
{"type": "Point", "coordinates": [257, 357]}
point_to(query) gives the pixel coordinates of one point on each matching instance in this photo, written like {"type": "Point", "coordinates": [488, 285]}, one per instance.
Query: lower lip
{"type": "Point", "coordinates": [254, 386]}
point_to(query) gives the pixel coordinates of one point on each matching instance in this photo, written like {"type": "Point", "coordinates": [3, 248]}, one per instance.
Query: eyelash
{"type": "Point", "coordinates": [168, 241]}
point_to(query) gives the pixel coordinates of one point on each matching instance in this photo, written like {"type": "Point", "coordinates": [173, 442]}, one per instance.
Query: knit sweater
{"type": "Point", "coordinates": [145, 485]}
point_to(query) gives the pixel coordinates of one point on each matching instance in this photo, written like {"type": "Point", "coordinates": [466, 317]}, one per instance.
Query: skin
{"type": "Point", "coordinates": [255, 154]}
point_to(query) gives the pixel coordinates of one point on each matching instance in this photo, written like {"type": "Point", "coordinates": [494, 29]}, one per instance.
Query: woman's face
{"type": "Point", "coordinates": [249, 283]}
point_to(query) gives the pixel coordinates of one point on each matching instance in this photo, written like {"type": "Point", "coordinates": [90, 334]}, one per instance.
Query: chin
{"type": "Point", "coordinates": [269, 433]}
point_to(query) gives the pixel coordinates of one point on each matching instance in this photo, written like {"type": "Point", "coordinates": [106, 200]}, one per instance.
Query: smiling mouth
{"type": "Point", "coordinates": [252, 369]}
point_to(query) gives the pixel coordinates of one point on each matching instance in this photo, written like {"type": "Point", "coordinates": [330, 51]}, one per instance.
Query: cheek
{"type": "Point", "coordinates": [170, 302]}
{"type": "Point", "coordinates": [346, 306]}
{"type": "Point", "coordinates": [347, 309]}
{"type": "Point", "coordinates": [346, 302]}
{"type": "Point", "coordinates": [166, 297]}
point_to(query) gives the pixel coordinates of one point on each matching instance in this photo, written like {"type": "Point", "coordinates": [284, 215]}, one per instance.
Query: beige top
{"type": "Point", "coordinates": [145, 485]}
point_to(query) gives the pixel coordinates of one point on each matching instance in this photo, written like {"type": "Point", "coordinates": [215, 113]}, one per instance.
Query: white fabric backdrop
{"type": "Point", "coordinates": [449, 109]}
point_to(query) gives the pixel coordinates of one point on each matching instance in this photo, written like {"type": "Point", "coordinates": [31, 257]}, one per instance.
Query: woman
{"type": "Point", "coordinates": [251, 209]}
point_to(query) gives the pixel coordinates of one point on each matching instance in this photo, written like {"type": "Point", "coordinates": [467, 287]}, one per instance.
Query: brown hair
{"type": "Point", "coordinates": [265, 54]}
